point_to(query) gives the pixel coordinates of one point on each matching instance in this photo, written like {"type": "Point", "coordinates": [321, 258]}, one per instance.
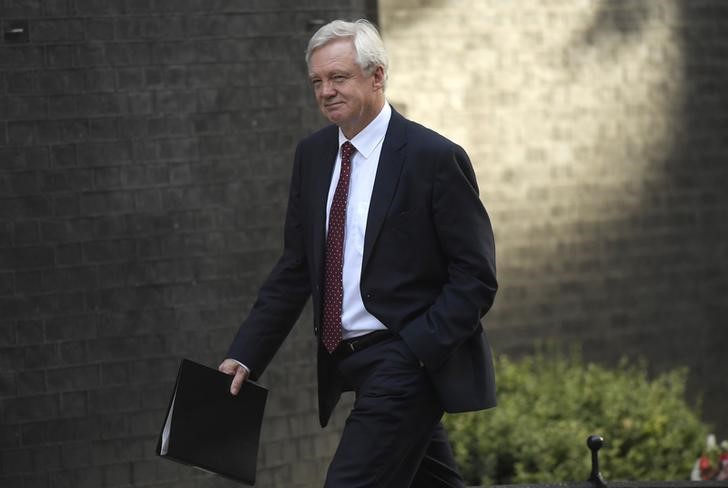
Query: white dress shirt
{"type": "Point", "coordinates": [355, 320]}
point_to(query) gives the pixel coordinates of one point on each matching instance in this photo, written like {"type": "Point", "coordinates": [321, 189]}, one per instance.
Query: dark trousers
{"type": "Point", "coordinates": [393, 437]}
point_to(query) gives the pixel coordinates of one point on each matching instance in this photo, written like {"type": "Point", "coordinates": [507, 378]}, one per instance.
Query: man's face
{"type": "Point", "coordinates": [346, 95]}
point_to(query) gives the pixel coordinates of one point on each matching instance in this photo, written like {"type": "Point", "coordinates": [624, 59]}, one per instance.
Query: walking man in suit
{"type": "Point", "coordinates": [386, 233]}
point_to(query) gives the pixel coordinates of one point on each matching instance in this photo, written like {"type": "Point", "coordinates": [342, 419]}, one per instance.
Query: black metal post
{"type": "Point", "coordinates": [595, 442]}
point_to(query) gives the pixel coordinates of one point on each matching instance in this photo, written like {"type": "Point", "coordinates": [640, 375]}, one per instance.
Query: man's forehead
{"type": "Point", "coordinates": [339, 50]}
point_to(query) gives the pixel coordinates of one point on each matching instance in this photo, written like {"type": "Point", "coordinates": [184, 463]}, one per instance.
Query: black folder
{"type": "Point", "coordinates": [211, 429]}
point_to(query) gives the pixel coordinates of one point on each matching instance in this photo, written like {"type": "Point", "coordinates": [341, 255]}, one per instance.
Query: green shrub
{"type": "Point", "coordinates": [550, 403]}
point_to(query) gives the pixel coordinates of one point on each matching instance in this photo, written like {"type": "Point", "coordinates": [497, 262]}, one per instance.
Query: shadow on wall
{"type": "Point", "coordinates": [595, 131]}
{"type": "Point", "coordinates": [666, 262]}
{"type": "Point", "coordinates": [698, 173]}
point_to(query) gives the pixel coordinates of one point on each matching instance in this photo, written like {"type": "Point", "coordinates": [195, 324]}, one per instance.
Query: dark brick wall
{"type": "Point", "coordinates": [145, 149]}
{"type": "Point", "coordinates": [697, 195]}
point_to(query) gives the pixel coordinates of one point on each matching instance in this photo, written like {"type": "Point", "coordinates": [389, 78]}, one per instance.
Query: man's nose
{"type": "Point", "coordinates": [327, 89]}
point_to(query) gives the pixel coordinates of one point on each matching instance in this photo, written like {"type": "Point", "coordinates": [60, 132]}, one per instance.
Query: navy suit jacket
{"type": "Point", "coordinates": [428, 270]}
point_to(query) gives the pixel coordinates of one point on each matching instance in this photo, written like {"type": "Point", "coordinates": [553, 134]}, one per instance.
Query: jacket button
{"type": "Point", "coordinates": [370, 296]}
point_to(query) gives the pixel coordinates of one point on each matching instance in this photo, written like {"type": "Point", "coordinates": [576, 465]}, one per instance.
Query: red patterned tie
{"type": "Point", "coordinates": [334, 261]}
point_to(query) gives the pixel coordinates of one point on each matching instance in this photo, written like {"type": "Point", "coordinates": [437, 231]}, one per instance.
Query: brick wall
{"type": "Point", "coordinates": [598, 134]}
{"type": "Point", "coordinates": [145, 150]}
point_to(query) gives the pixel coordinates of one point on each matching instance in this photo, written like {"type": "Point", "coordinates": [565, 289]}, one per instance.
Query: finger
{"type": "Point", "coordinates": [240, 376]}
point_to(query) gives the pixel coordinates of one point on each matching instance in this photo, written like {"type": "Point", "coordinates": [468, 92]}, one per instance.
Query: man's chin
{"type": "Point", "coordinates": [333, 114]}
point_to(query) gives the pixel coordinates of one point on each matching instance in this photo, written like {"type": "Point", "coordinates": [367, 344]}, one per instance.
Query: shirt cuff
{"type": "Point", "coordinates": [247, 369]}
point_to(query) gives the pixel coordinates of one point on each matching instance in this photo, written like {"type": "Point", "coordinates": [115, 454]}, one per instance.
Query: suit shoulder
{"type": "Point", "coordinates": [429, 148]}
{"type": "Point", "coordinates": [428, 143]}
{"type": "Point", "coordinates": [321, 136]}
{"type": "Point", "coordinates": [428, 139]}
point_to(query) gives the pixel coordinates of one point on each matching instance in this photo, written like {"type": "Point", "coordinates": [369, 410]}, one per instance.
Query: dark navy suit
{"type": "Point", "coordinates": [428, 270]}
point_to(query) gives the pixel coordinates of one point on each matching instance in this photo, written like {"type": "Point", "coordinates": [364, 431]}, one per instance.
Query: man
{"type": "Point", "coordinates": [386, 233]}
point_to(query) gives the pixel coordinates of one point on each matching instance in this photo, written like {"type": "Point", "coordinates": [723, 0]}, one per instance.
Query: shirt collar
{"type": "Point", "coordinates": [369, 138]}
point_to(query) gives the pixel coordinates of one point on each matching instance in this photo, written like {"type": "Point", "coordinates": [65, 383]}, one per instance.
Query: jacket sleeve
{"type": "Point", "coordinates": [283, 295]}
{"type": "Point", "coordinates": [466, 239]}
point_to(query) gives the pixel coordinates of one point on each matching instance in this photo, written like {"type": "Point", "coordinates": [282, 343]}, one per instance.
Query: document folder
{"type": "Point", "coordinates": [211, 429]}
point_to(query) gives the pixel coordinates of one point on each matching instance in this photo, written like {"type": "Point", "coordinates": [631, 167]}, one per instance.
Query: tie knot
{"type": "Point", "coordinates": [347, 150]}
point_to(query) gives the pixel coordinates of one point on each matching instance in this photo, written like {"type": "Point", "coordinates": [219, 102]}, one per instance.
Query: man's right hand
{"type": "Point", "coordinates": [234, 368]}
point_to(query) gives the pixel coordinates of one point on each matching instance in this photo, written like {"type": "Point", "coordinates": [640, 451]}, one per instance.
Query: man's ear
{"type": "Point", "coordinates": [378, 78]}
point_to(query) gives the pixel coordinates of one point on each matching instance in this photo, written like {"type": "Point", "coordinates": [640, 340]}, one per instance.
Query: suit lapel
{"type": "Point", "coordinates": [391, 160]}
{"type": "Point", "coordinates": [323, 162]}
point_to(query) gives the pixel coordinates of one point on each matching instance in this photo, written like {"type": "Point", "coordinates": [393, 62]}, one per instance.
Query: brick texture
{"type": "Point", "coordinates": [145, 152]}
{"type": "Point", "coordinates": [598, 134]}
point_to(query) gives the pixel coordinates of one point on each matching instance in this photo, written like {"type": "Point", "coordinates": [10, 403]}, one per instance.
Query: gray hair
{"type": "Point", "coordinates": [370, 51]}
